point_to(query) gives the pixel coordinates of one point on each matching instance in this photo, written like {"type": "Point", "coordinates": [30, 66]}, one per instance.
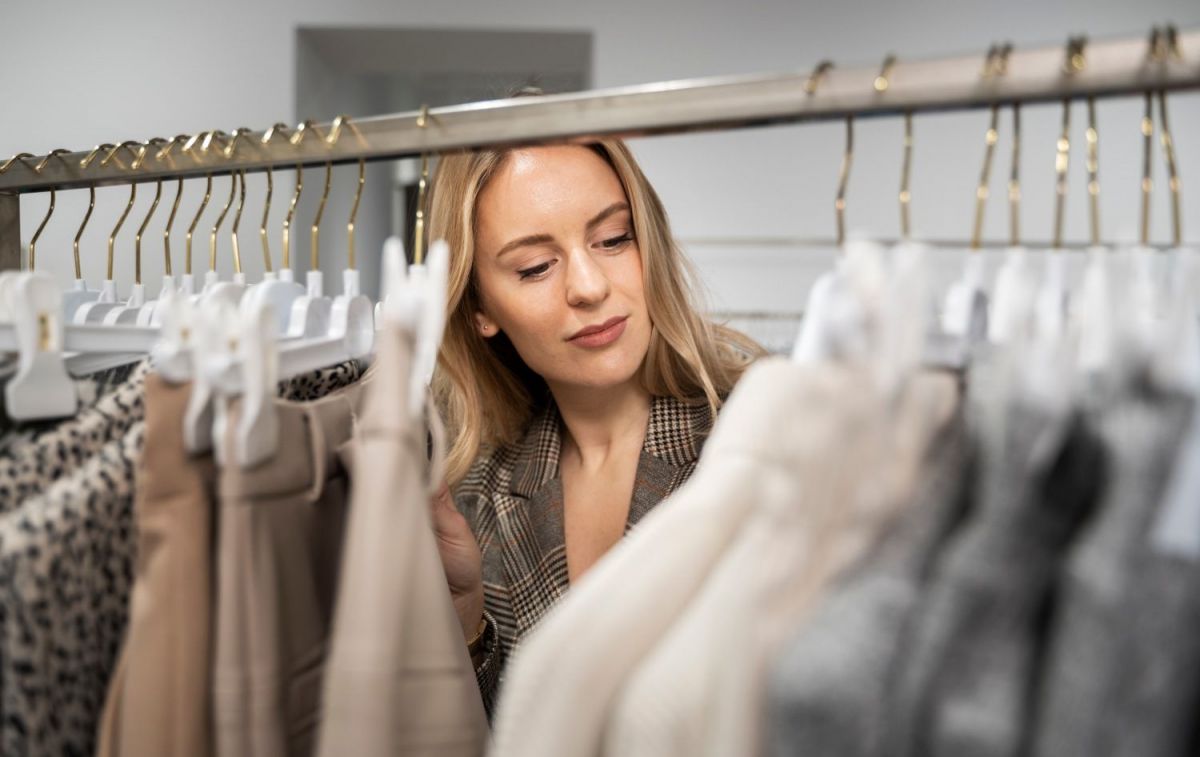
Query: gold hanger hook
{"type": "Point", "coordinates": [237, 221]}
{"type": "Point", "coordinates": [995, 64]}
{"type": "Point", "coordinates": [49, 210]}
{"type": "Point", "coordinates": [212, 239]}
{"type": "Point", "coordinates": [262, 230]}
{"type": "Point", "coordinates": [1075, 60]}
{"type": "Point", "coordinates": [335, 132]}
{"type": "Point", "coordinates": [137, 240]}
{"type": "Point", "coordinates": [112, 238]}
{"type": "Point", "coordinates": [189, 147]}
{"type": "Point", "coordinates": [422, 185]}
{"type": "Point", "coordinates": [1155, 53]}
{"type": "Point", "coordinates": [165, 150]}
{"type": "Point", "coordinates": [79, 234]}
{"type": "Point", "coordinates": [187, 260]}
{"type": "Point", "coordinates": [37, 234]}
{"type": "Point", "coordinates": [238, 133]}
{"type": "Point", "coordinates": [267, 138]}
{"type": "Point", "coordinates": [302, 131]}
{"type": "Point", "coordinates": [817, 76]}
{"type": "Point", "coordinates": [883, 81]}
{"type": "Point", "coordinates": [1014, 181]}
{"type": "Point", "coordinates": [1168, 145]}
{"type": "Point", "coordinates": [276, 128]}
{"type": "Point", "coordinates": [212, 136]}
{"type": "Point", "coordinates": [1164, 46]}
{"type": "Point", "coordinates": [18, 158]}
{"type": "Point", "coordinates": [905, 172]}
{"type": "Point", "coordinates": [91, 156]}
{"type": "Point", "coordinates": [286, 260]}
{"type": "Point", "coordinates": [126, 145]}
{"type": "Point", "coordinates": [53, 154]}
{"type": "Point", "coordinates": [839, 203]}
{"type": "Point", "coordinates": [315, 261]}
{"type": "Point", "coordinates": [1093, 170]}
{"type": "Point", "coordinates": [170, 224]}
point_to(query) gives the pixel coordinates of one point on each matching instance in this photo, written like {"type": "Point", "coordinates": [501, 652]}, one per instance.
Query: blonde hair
{"type": "Point", "coordinates": [487, 394]}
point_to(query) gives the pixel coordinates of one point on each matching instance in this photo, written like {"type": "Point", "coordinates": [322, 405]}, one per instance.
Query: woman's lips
{"type": "Point", "coordinates": [606, 336]}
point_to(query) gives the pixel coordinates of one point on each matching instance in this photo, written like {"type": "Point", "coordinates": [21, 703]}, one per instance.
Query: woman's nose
{"type": "Point", "coordinates": [587, 283]}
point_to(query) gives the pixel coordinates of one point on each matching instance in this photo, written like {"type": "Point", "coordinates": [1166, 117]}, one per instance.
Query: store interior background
{"type": "Point", "coordinates": [76, 75]}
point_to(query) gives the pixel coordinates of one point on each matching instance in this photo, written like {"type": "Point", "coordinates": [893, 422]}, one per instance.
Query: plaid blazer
{"type": "Point", "coordinates": [513, 499]}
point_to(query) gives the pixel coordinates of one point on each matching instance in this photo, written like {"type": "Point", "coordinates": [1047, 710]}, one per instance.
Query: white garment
{"type": "Point", "coordinates": [700, 690]}
{"type": "Point", "coordinates": [564, 677]}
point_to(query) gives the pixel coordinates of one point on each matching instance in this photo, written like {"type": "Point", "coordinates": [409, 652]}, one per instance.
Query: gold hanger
{"type": "Point", "coordinates": [994, 65]}
{"type": "Point", "coordinates": [237, 221]}
{"type": "Point", "coordinates": [1073, 64]}
{"type": "Point", "coordinates": [1170, 49]}
{"type": "Point", "coordinates": [165, 151]}
{"type": "Point", "coordinates": [79, 234]}
{"type": "Point", "coordinates": [334, 133]}
{"type": "Point", "coordinates": [882, 82]}
{"type": "Point", "coordinates": [19, 157]}
{"type": "Point", "coordinates": [278, 128]}
{"type": "Point", "coordinates": [301, 131]}
{"type": "Point", "coordinates": [49, 211]}
{"type": "Point", "coordinates": [1014, 181]}
{"type": "Point", "coordinates": [419, 225]}
{"type": "Point", "coordinates": [128, 145]}
{"type": "Point", "coordinates": [137, 240]}
{"type": "Point", "coordinates": [120, 221]}
{"type": "Point", "coordinates": [212, 238]}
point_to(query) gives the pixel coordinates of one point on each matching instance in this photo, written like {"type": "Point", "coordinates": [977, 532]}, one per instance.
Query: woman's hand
{"type": "Point", "coordinates": [461, 560]}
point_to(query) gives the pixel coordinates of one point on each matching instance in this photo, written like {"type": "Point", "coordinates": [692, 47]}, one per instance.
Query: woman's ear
{"type": "Point", "coordinates": [487, 327]}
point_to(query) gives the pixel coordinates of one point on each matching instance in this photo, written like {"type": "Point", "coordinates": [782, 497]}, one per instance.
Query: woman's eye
{"type": "Point", "coordinates": [537, 270]}
{"type": "Point", "coordinates": [615, 242]}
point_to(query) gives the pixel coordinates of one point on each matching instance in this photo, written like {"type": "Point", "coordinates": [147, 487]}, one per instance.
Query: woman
{"type": "Point", "coordinates": [576, 377]}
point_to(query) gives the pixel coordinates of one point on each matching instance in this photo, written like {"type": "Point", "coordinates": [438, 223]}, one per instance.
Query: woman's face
{"type": "Point", "coordinates": [558, 268]}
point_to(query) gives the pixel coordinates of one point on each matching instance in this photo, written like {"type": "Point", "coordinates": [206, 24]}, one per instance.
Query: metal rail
{"type": "Point", "coordinates": [1106, 68]}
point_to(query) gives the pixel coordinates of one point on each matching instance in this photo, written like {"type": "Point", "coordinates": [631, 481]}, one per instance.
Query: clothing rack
{"type": "Point", "coordinates": [1077, 70]}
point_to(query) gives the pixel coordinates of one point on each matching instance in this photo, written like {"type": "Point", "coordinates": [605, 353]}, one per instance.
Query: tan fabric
{"type": "Point", "coordinates": [564, 678]}
{"type": "Point", "coordinates": [278, 549]}
{"type": "Point", "coordinates": [398, 681]}
{"type": "Point", "coordinates": [158, 698]}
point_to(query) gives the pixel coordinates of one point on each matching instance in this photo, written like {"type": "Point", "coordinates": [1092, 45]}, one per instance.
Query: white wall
{"type": "Point", "coordinates": [75, 74]}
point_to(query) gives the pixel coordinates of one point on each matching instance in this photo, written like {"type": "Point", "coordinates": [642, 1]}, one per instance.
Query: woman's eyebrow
{"type": "Point", "coordinates": [535, 239]}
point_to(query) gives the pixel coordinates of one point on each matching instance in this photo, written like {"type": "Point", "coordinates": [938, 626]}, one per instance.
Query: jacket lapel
{"type": "Point", "coordinates": [530, 513]}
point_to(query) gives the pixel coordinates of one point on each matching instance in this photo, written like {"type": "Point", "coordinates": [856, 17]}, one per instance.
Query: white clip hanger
{"type": "Point", "coordinates": [97, 311]}
{"type": "Point", "coordinates": [214, 353]}
{"type": "Point", "coordinates": [311, 312]}
{"type": "Point", "coordinates": [79, 294]}
{"type": "Point", "coordinates": [41, 387]}
{"type": "Point", "coordinates": [277, 291]}
{"type": "Point", "coordinates": [416, 301]}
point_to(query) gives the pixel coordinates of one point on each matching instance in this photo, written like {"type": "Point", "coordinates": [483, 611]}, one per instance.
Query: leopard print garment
{"type": "Point", "coordinates": [35, 455]}
{"type": "Point", "coordinates": [66, 571]}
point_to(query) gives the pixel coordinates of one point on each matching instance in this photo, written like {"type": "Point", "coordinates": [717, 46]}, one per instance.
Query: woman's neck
{"type": "Point", "coordinates": [601, 423]}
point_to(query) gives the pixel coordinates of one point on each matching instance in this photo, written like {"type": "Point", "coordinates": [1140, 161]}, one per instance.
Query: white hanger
{"type": "Point", "coordinates": [311, 312]}
{"type": "Point", "coordinates": [416, 302]}
{"type": "Point", "coordinates": [79, 294]}
{"type": "Point", "coordinates": [276, 290]}
{"type": "Point", "coordinates": [96, 311]}
{"type": "Point", "coordinates": [41, 386]}
{"type": "Point", "coordinates": [1092, 314]}
{"type": "Point", "coordinates": [214, 336]}
{"type": "Point", "coordinates": [1012, 296]}
{"type": "Point", "coordinates": [815, 339]}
